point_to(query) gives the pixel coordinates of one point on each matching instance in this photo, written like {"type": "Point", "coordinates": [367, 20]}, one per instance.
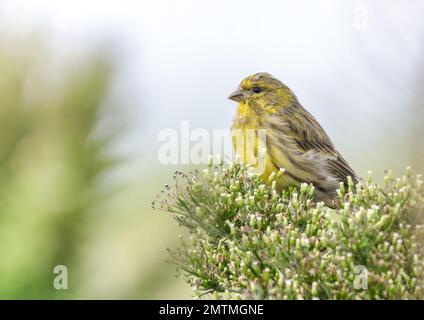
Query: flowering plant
{"type": "Point", "coordinates": [249, 241]}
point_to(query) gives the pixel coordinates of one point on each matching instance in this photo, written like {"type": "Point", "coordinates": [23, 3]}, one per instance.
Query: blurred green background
{"type": "Point", "coordinates": [86, 88]}
{"type": "Point", "coordinates": [60, 204]}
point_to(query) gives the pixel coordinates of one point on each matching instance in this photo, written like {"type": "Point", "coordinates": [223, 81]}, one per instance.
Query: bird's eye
{"type": "Point", "coordinates": [256, 89]}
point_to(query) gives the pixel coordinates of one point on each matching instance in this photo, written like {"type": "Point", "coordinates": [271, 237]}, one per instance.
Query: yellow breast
{"type": "Point", "coordinates": [249, 137]}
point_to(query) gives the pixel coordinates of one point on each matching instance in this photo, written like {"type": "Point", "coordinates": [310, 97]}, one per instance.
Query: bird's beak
{"type": "Point", "coordinates": [236, 96]}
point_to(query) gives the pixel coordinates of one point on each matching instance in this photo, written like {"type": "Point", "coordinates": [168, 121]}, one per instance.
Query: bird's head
{"type": "Point", "coordinates": [262, 92]}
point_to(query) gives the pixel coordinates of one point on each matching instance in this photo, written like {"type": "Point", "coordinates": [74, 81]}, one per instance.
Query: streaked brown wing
{"type": "Point", "coordinates": [312, 136]}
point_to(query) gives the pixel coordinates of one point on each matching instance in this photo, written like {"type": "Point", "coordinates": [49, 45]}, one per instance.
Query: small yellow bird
{"type": "Point", "coordinates": [294, 140]}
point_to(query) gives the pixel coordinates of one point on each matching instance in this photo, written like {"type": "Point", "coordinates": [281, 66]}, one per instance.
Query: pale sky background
{"type": "Point", "coordinates": [179, 60]}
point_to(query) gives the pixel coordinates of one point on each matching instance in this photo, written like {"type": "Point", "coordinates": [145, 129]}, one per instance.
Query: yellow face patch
{"type": "Point", "coordinates": [248, 84]}
{"type": "Point", "coordinates": [262, 95]}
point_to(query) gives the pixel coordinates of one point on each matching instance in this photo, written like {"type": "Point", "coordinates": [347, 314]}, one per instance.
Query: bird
{"type": "Point", "coordinates": [293, 141]}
